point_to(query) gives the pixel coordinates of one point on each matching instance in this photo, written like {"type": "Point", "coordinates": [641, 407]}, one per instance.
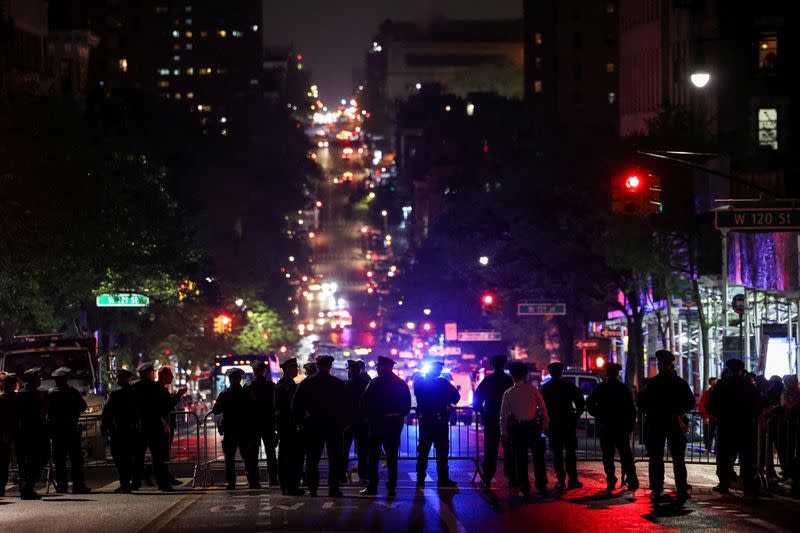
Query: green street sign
{"type": "Point", "coordinates": [541, 308]}
{"type": "Point", "coordinates": [758, 219]}
{"type": "Point", "coordinates": [122, 300]}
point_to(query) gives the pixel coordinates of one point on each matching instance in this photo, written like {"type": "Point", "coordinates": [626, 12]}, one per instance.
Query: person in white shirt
{"type": "Point", "coordinates": [523, 418]}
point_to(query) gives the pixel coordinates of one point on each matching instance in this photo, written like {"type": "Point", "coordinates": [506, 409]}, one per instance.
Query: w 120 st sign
{"type": "Point", "coordinates": [758, 219]}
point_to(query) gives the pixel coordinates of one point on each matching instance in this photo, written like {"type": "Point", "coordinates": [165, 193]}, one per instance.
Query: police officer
{"type": "Point", "coordinates": [565, 404]}
{"type": "Point", "coordinates": [435, 395]}
{"type": "Point", "coordinates": [386, 402]}
{"type": "Point", "coordinates": [33, 445]}
{"type": "Point", "coordinates": [523, 417]}
{"type": "Point", "coordinates": [665, 400]}
{"type": "Point", "coordinates": [318, 406]}
{"type": "Point", "coordinates": [263, 391]}
{"type": "Point", "coordinates": [310, 368]}
{"type": "Point", "coordinates": [611, 403]}
{"type": "Point", "coordinates": [290, 455]}
{"type": "Point", "coordinates": [236, 405]}
{"type": "Point", "coordinates": [736, 405]}
{"type": "Point", "coordinates": [121, 422]}
{"type": "Point", "coordinates": [64, 407]}
{"type": "Point", "coordinates": [8, 424]}
{"type": "Point", "coordinates": [155, 406]}
{"type": "Point", "coordinates": [356, 429]}
{"type": "Point", "coordinates": [165, 378]}
{"type": "Point", "coordinates": [486, 401]}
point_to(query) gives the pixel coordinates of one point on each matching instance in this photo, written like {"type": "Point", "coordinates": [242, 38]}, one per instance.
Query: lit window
{"type": "Point", "coordinates": [190, 96]}
{"type": "Point", "coordinates": [176, 33]}
{"type": "Point", "coordinates": [188, 34]}
{"type": "Point", "coordinates": [176, 46]}
{"type": "Point", "coordinates": [537, 38]}
{"type": "Point", "coordinates": [189, 46]}
{"type": "Point", "coordinates": [123, 65]}
{"type": "Point", "coordinates": [537, 86]}
{"type": "Point", "coordinates": [612, 97]}
{"type": "Point", "coordinates": [224, 131]}
{"type": "Point", "coordinates": [253, 81]}
{"type": "Point", "coordinates": [188, 22]}
{"type": "Point", "coordinates": [163, 84]}
{"type": "Point", "coordinates": [203, 34]}
{"type": "Point", "coordinates": [470, 109]}
{"type": "Point", "coordinates": [236, 33]}
{"type": "Point", "coordinates": [768, 128]}
{"type": "Point", "coordinates": [610, 8]}
{"type": "Point", "coordinates": [176, 72]}
{"type": "Point", "coordinates": [190, 71]}
{"type": "Point", "coordinates": [177, 96]}
{"type": "Point", "coordinates": [161, 9]}
{"type": "Point", "coordinates": [188, 9]}
{"type": "Point", "coordinates": [222, 33]}
{"type": "Point", "coordinates": [176, 58]}
{"type": "Point", "coordinates": [163, 71]}
{"type": "Point", "coordinates": [610, 67]}
{"type": "Point", "coordinates": [537, 61]}
{"type": "Point", "coordinates": [768, 51]}
{"type": "Point", "coordinates": [255, 27]}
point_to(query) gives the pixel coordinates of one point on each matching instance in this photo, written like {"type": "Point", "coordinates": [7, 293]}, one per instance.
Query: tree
{"type": "Point", "coordinates": [264, 330]}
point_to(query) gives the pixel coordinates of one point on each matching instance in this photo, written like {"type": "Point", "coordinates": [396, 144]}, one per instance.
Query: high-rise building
{"type": "Point", "coordinates": [571, 69]}
{"type": "Point", "coordinates": [24, 61]}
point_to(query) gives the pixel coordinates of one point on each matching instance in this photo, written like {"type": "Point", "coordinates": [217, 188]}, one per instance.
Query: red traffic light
{"type": "Point", "coordinates": [599, 362]}
{"type": "Point", "coordinates": [487, 299]}
{"type": "Point", "coordinates": [427, 326]}
{"type": "Point", "coordinates": [373, 324]}
{"type": "Point", "coordinates": [632, 183]}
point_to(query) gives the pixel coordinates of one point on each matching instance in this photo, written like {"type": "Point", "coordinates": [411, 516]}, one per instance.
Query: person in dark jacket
{"type": "Point", "coordinates": [665, 401]}
{"type": "Point", "coordinates": [486, 401]}
{"type": "Point", "coordinates": [33, 445]}
{"type": "Point", "coordinates": [236, 405]}
{"type": "Point", "coordinates": [154, 405]}
{"type": "Point", "coordinates": [290, 455]}
{"type": "Point", "coordinates": [435, 394]}
{"type": "Point", "coordinates": [9, 424]}
{"type": "Point", "coordinates": [611, 403]}
{"type": "Point", "coordinates": [565, 405]}
{"type": "Point", "coordinates": [165, 378]}
{"type": "Point", "coordinates": [121, 423]}
{"type": "Point", "coordinates": [263, 390]}
{"type": "Point", "coordinates": [737, 405]}
{"type": "Point", "coordinates": [386, 402]}
{"type": "Point", "coordinates": [64, 408]}
{"type": "Point", "coordinates": [356, 428]}
{"type": "Point", "coordinates": [318, 406]}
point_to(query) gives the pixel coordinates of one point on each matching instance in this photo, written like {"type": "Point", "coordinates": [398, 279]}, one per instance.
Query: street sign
{"type": "Point", "coordinates": [452, 350]}
{"type": "Point", "coordinates": [590, 344]}
{"type": "Point", "coordinates": [541, 308]}
{"type": "Point", "coordinates": [122, 300]}
{"type": "Point", "coordinates": [611, 333]}
{"type": "Point", "coordinates": [766, 219]}
{"type": "Point", "coordinates": [479, 336]}
{"type": "Point", "coordinates": [737, 304]}
{"type": "Point", "coordinates": [450, 331]}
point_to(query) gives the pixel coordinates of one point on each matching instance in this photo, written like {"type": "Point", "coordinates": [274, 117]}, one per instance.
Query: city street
{"type": "Point", "coordinates": [465, 509]}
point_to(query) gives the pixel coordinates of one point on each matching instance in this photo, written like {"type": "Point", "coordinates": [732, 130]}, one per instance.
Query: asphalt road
{"type": "Point", "coordinates": [464, 509]}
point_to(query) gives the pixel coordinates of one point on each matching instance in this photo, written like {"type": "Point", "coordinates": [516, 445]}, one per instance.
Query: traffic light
{"type": "Point", "coordinates": [488, 301]}
{"type": "Point", "coordinates": [427, 327]}
{"type": "Point", "coordinates": [223, 324]}
{"type": "Point", "coordinates": [636, 193]}
{"type": "Point", "coordinates": [596, 361]}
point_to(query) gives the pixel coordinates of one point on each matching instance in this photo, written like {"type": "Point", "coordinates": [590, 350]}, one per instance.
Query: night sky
{"type": "Point", "coordinates": [333, 36]}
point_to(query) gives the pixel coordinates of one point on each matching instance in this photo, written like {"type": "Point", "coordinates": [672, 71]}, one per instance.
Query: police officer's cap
{"type": "Point", "coordinates": [386, 360]}
{"type": "Point", "coordinates": [124, 373]}
{"type": "Point", "coordinates": [259, 365]}
{"type": "Point", "coordinates": [438, 363]}
{"type": "Point", "coordinates": [292, 361]}
{"type": "Point", "coordinates": [7, 377]}
{"type": "Point", "coordinates": [310, 364]}
{"type": "Point", "coordinates": [145, 367]}
{"type": "Point", "coordinates": [614, 368]}
{"type": "Point", "coordinates": [61, 372]}
{"type": "Point", "coordinates": [31, 373]}
{"type": "Point", "coordinates": [355, 363]}
{"type": "Point", "coordinates": [556, 367]}
{"type": "Point", "coordinates": [498, 361]}
{"type": "Point", "coordinates": [324, 361]}
{"type": "Point", "coordinates": [234, 372]}
{"type": "Point", "coordinates": [735, 365]}
{"type": "Point", "coordinates": [665, 356]}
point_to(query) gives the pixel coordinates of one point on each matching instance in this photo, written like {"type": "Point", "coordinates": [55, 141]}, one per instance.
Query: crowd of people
{"type": "Point", "coordinates": [295, 422]}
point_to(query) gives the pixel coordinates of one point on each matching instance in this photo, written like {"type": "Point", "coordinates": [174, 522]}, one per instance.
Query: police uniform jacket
{"type": "Point", "coordinates": [121, 412]}
{"type": "Point", "coordinates": [354, 390]}
{"type": "Point", "coordinates": [564, 401]}
{"type": "Point", "coordinates": [664, 397]}
{"type": "Point", "coordinates": [320, 400]}
{"type": "Point", "coordinates": [155, 405]}
{"type": "Point", "coordinates": [31, 413]}
{"type": "Point", "coordinates": [284, 393]}
{"type": "Point", "coordinates": [489, 395]}
{"type": "Point", "coordinates": [434, 396]}
{"type": "Point", "coordinates": [237, 407]}
{"type": "Point", "coordinates": [386, 395]}
{"type": "Point", "coordinates": [734, 401]}
{"type": "Point", "coordinates": [263, 392]}
{"type": "Point", "coordinates": [9, 423]}
{"type": "Point", "coordinates": [64, 407]}
{"type": "Point", "coordinates": [611, 403]}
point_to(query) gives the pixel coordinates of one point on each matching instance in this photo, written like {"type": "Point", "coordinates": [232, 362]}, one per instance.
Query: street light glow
{"type": "Point", "coordinates": [700, 79]}
{"type": "Point", "coordinates": [483, 260]}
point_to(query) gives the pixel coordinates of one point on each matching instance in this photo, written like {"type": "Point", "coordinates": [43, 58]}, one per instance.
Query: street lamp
{"type": "Point", "coordinates": [483, 260]}
{"type": "Point", "coordinates": [700, 78]}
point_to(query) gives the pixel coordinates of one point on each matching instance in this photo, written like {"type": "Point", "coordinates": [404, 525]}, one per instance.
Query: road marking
{"type": "Point", "coordinates": [163, 519]}
{"type": "Point", "coordinates": [332, 505]}
{"type": "Point", "coordinates": [445, 513]}
{"type": "Point", "coordinates": [227, 508]}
